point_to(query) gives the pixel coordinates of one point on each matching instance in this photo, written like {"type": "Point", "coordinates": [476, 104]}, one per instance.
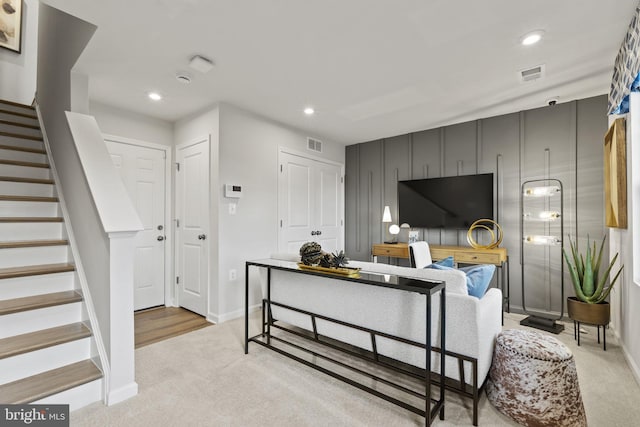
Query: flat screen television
{"type": "Point", "coordinates": [453, 202]}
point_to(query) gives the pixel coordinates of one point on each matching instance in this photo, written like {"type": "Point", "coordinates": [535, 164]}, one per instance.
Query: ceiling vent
{"type": "Point", "coordinates": [314, 144]}
{"type": "Point", "coordinates": [533, 73]}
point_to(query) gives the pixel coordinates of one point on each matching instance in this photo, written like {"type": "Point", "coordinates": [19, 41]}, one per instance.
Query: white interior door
{"type": "Point", "coordinates": [142, 170]}
{"type": "Point", "coordinates": [310, 203]}
{"type": "Point", "coordinates": [192, 227]}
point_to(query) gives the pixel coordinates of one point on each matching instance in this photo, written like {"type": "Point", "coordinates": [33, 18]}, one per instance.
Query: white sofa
{"type": "Point", "coordinates": [472, 324]}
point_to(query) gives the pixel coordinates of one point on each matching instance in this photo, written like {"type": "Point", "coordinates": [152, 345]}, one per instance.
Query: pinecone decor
{"type": "Point", "coordinates": [326, 261]}
{"type": "Point", "coordinates": [339, 259]}
{"type": "Point", "coordinates": [311, 253]}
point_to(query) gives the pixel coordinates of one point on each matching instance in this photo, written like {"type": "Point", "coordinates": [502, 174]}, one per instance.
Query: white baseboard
{"type": "Point", "coordinates": [121, 394]}
{"type": "Point", "coordinates": [221, 318]}
{"type": "Point", "coordinates": [635, 369]}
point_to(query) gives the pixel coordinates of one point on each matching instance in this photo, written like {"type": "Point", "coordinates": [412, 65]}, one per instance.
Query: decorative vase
{"type": "Point", "coordinates": [592, 314]}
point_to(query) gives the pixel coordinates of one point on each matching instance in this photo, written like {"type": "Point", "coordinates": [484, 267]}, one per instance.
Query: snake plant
{"type": "Point", "coordinates": [588, 283]}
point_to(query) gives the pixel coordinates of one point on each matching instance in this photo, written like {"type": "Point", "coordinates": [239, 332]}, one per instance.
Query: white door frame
{"type": "Point", "coordinates": [293, 152]}
{"type": "Point", "coordinates": [169, 292]}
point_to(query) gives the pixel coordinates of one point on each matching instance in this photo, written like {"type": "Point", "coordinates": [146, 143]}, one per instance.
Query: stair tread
{"type": "Point", "coordinates": [32, 243]}
{"type": "Point", "coordinates": [21, 163]}
{"type": "Point", "coordinates": [31, 219]}
{"type": "Point", "coordinates": [35, 302]}
{"type": "Point", "coordinates": [12, 198]}
{"type": "Point", "coordinates": [24, 149]}
{"type": "Point", "coordinates": [21, 136]}
{"type": "Point", "coordinates": [48, 383]}
{"type": "Point", "coordinates": [27, 180]}
{"type": "Point", "coordinates": [35, 270]}
{"type": "Point", "coordinates": [15, 113]}
{"type": "Point", "coordinates": [17, 104]}
{"type": "Point", "coordinates": [25, 343]}
{"type": "Point", "coordinates": [22, 125]}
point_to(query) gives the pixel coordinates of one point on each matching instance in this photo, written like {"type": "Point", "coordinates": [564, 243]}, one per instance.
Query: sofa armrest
{"type": "Point", "coordinates": [472, 326]}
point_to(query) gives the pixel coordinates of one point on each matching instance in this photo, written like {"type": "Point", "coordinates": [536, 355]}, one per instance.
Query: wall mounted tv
{"type": "Point", "coordinates": [451, 202]}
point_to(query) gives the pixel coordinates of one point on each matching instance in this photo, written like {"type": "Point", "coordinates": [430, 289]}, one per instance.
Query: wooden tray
{"type": "Point", "coordinates": [341, 271]}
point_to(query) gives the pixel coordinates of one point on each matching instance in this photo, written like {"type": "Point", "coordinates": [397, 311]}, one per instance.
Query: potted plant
{"type": "Point", "coordinates": [589, 305]}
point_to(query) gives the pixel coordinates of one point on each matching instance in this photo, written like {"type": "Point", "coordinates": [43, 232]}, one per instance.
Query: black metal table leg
{"type": "Point", "coordinates": [268, 305]}
{"type": "Point", "coordinates": [443, 329]}
{"type": "Point", "coordinates": [427, 350]}
{"type": "Point", "coordinates": [246, 308]}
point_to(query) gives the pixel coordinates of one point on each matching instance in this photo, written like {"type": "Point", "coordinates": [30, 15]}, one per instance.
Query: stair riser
{"type": "Point", "coordinates": [29, 208]}
{"type": "Point", "coordinates": [23, 156]}
{"type": "Point", "coordinates": [14, 118]}
{"type": "Point", "coordinates": [77, 397]}
{"type": "Point", "coordinates": [25, 171]}
{"type": "Point", "coordinates": [44, 318]}
{"type": "Point", "coordinates": [16, 257]}
{"type": "Point", "coordinates": [4, 127]}
{"type": "Point", "coordinates": [11, 188]}
{"type": "Point", "coordinates": [21, 142]}
{"type": "Point", "coordinates": [17, 108]}
{"type": "Point", "coordinates": [35, 362]}
{"type": "Point", "coordinates": [20, 287]}
{"type": "Point", "coordinates": [30, 230]}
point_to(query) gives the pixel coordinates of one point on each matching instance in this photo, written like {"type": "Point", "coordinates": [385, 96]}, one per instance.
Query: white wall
{"type": "Point", "coordinates": [252, 233]}
{"type": "Point", "coordinates": [248, 148]}
{"type": "Point", "coordinates": [625, 297]}
{"type": "Point", "coordinates": [116, 121]}
{"type": "Point", "coordinates": [62, 39]}
{"type": "Point", "coordinates": [18, 71]}
{"type": "Point", "coordinates": [188, 130]}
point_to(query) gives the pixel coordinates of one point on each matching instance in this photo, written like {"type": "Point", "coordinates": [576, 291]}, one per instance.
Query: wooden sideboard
{"type": "Point", "coordinates": [461, 255]}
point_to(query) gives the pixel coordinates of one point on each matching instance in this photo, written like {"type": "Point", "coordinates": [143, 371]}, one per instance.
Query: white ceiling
{"type": "Point", "coordinates": [370, 68]}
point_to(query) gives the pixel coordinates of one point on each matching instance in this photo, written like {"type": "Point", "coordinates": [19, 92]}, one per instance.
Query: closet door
{"type": "Point", "coordinates": [310, 204]}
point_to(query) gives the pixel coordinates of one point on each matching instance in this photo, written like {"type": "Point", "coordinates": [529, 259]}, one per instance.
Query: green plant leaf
{"type": "Point", "coordinates": [603, 279]}
{"type": "Point", "coordinates": [575, 279]}
{"type": "Point", "coordinates": [576, 259]}
{"type": "Point", "coordinates": [596, 269]}
{"type": "Point", "coordinates": [608, 290]}
{"type": "Point", "coordinates": [587, 280]}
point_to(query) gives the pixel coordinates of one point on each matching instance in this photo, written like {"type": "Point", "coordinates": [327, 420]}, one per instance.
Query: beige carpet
{"type": "Point", "coordinates": [204, 379]}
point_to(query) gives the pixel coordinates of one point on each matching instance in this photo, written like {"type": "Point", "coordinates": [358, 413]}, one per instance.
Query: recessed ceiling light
{"type": "Point", "coordinates": [532, 38]}
{"type": "Point", "coordinates": [155, 96]}
{"type": "Point", "coordinates": [309, 111]}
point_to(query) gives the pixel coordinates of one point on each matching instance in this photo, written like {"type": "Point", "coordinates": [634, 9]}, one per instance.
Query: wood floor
{"type": "Point", "coordinates": [160, 323]}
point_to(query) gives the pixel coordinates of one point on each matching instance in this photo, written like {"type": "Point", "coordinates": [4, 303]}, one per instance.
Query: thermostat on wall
{"type": "Point", "coordinates": [232, 190]}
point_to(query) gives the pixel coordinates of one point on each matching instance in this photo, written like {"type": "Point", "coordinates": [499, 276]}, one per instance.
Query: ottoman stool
{"type": "Point", "coordinates": [533, 380]}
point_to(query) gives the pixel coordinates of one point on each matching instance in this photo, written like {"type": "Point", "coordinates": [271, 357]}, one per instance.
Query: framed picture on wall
{"type": "Point", "coordinates": [11, 24]}
{"type": "Point", "coordinates": [615, 175]}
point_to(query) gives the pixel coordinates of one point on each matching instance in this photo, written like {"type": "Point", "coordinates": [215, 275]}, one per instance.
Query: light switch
{"type": "Point", "coordinates": [232, 208]}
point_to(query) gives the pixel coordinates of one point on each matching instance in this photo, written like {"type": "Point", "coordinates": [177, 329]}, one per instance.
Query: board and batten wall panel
{"type": "Point", "coordinates": [562, 141]}
{"type": "Point", "coordinates": [459, 158]}
{"type": "Point", "coordinates": [426, 155]}
{"type": "Point", "coordinates": [351, 202]}
{"type": "Point", "coordinates": [397, 167]}
{"type": "Point", "coordinates": [549, 151]}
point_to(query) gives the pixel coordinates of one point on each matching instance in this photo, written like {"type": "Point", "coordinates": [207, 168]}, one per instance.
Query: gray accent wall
{"type": "Point", "coordinates": [564, 141]}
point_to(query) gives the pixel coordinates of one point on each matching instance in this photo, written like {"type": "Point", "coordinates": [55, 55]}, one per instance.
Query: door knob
{"type": "Point", "coordinates": [202, 236]}
{"type": "Point", "coordinates": [318, 233]}
{"type": "Point", "coordinates": [160, 238]}
{"type": "Point", "coordinates": [313, 233]}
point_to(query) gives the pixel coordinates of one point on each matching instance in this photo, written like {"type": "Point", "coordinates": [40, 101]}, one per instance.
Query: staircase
{"type": "Point", "coordinates": [46, 344]}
